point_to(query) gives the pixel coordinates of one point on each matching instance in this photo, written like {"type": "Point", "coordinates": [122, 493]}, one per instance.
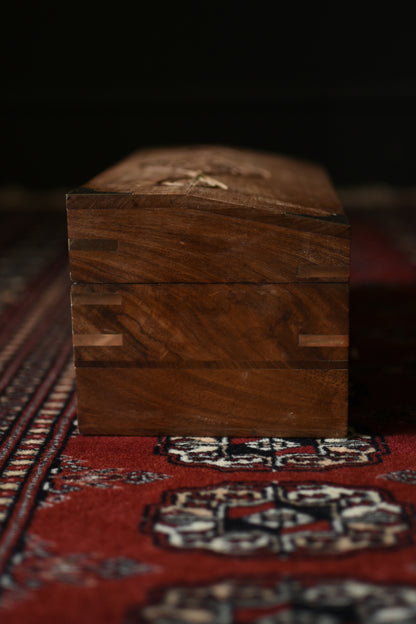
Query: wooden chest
{"type": "Point", "coordinates": [210, 296]}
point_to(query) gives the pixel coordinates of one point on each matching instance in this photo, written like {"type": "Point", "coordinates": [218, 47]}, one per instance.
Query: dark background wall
{"type": "Point", "coordinates": [81, 87]}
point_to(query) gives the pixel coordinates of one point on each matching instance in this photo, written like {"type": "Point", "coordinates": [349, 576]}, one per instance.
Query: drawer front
{"type": "Point", "coordinates": [210, 325]}
{"type": "Point", "coordinates": [117, 241]}
{"type": "Point", "coordinates": [295, 403]}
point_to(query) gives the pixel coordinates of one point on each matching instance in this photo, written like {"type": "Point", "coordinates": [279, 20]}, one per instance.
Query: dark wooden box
{"type": "Point", "coordinates": [210, 296]}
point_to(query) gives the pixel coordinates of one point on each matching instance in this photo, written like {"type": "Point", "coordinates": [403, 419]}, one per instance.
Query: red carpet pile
{"type": "Point", "coordinates": [206, 530]}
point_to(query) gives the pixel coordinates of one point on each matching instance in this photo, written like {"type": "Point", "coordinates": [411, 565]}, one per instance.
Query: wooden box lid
{"type": "Point", "coordinates": [207, 214]}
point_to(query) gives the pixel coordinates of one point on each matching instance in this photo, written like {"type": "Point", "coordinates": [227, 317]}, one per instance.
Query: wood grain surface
{"type": "Point", "coordinates": [231, 176]}
{"type": "Point", "coordinates": [210, 296]}
{"type": "Point", "coordinates": [222, 325]}
{"type": "Point", "coordinates": [169, 244]}
{"type": "Point", "coordinates": [211, 402]}
{"type": "Point", "coordinates": [208, 214]}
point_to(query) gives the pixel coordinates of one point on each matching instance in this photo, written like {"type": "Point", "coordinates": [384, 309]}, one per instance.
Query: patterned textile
{"type": "Point", "coordinates": [123, 530]}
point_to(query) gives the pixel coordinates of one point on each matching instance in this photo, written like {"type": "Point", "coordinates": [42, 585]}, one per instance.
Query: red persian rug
{"type": "Point", "coordinates": [206, 530]}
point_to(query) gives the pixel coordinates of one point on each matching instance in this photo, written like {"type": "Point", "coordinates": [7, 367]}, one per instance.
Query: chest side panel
{"type": "Point", "coordinates": [212, 325]}
{"type": "Point", "coordinates": [210, 296]}
{"type": "Point", "coordinates": [115, 241]}
{"type": "Point", "coordinates": [295, 403]}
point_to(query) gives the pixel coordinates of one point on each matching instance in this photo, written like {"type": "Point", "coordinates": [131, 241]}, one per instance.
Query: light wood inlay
{"type": "Point", "coordinates": [316, 340]}
{"type": "Point", "coordinates": [93, 244]}
{"type": "Point", "coordinates": [98, 340]}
